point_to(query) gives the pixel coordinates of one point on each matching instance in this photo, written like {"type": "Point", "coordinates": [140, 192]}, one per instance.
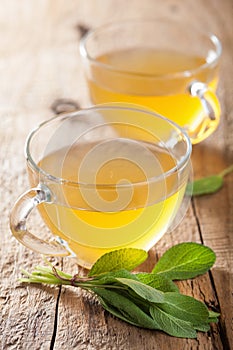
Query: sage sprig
{"type": "Point", "coordinates": [148, 300]}
{"type": "Point", "coordinates": [209, 184]}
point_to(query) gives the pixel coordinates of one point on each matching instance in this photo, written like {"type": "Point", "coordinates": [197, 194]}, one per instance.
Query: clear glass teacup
{"type": "Point", "coordinates": [103, 178]}
{"type": "Point", "coordinates": [168, 66]}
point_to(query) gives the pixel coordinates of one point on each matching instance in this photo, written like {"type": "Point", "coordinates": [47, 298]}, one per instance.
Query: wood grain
{"type": "Point", "coordinates": [39, 63]}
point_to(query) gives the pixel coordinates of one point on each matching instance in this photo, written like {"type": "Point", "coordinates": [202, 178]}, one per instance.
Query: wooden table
{"type": "Point", "coordinates": [39, 63]}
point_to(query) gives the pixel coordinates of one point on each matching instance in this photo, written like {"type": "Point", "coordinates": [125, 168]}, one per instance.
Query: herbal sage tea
{"type": "Point", "coordinates": [108, 177]}
{"type": "Point", "coordinates": [160, 65]}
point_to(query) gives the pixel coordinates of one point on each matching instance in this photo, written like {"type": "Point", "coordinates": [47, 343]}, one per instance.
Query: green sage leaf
{"type": "Point", "coordinates": [127, 258]}
{"type": "Point", "coordinates": [125, 308]}
{"type": "Point", "coordinates": [185, 260]}
{"type": "Point", "coordinates": [205, 326]}
{"type": "Point", "coordinates": [185, 308]}
{"type": "Point", "coordinates": [171, 324]}
{"type": "Point", "coordinates": [206, 185]}
{"type": "Point", "coordinates": [202, 327]}
{"type": "Point", "coordinates": [159, 282]}
{"type": "Point", "coordinates": [115, 312]}
{"type": "Point", "coordinates": [213, 314]}
{"type": "Point", "coordinates": [146, 292]}
{"type": "Point", "coordinates": [209, 184]}
{"type": "Point", "coordinates": [213, 317]}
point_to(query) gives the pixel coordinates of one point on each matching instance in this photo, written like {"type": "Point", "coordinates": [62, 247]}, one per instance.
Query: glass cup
{"type": "Point", "coordinates": [169, 67]}
{"type": "Point", "coordinates": [103, 178]}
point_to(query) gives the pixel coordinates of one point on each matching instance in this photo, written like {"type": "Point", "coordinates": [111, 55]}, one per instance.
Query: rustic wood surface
{"type": "Point", "coordinates": [39, 63]}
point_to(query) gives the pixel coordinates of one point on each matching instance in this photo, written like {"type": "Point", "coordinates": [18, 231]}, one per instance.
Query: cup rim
{"type": "Point", "coordinates": [107, 106]}
{"type": "Point", "coordinates": [186, 73]}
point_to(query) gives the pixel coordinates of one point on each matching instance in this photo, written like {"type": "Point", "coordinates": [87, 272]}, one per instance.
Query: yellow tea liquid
{"type": "Point", "coordinates": [143, 77]}
{"type": "Point", "coordinates": [146, 210]}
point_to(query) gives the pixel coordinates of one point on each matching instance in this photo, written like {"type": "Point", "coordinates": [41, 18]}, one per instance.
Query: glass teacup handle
{"type": "Point", "coordinates": [18, 222]}
{"type": "Point", "coordinates": [211, 108]}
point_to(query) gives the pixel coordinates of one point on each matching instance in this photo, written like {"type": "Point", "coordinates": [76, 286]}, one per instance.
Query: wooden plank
{"type": "Point", "coordinates": [39, 63]}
